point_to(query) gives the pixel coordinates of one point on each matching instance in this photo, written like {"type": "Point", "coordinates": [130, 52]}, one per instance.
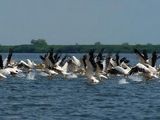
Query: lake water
{"type": "Point", "coordinates": [41, 98]}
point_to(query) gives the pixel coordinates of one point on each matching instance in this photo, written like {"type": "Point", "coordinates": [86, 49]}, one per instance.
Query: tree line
{"type": "Point", "coordinates": [41, 46]}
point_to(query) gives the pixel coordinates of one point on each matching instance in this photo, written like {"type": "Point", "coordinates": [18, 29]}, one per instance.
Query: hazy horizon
{"type": "Point", "coordinates": [28, 43]}
{"type": "Point", "coordinates": [65, 22]}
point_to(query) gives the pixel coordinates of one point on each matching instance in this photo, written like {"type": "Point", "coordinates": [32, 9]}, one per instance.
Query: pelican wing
{"type": "Point", "coordinates": [1, 62]}
{"type": "Point", "coordinates": [76, 61]}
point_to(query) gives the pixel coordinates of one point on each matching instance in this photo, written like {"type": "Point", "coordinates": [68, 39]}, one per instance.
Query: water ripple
{"type": "Point", "coordinates": [77, 99]}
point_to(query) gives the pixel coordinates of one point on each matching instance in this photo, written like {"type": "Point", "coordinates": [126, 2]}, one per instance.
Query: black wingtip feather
{"type": "Point", "coordinates": [1, 62]}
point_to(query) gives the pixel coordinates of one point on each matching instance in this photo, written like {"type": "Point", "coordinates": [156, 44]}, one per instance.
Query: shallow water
{"type": "Point", "coordinates": [57, 98]}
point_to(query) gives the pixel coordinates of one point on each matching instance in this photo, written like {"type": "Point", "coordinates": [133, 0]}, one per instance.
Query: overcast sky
{"type": "Point", "coordinates": [80, 21]}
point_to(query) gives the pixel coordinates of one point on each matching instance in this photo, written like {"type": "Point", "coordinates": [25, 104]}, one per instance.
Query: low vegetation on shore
{"type": "Point", "coordinates": [41, 46]}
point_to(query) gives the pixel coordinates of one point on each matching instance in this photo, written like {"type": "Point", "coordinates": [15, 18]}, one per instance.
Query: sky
{"type": "Point", "coordinates": [80, 21]}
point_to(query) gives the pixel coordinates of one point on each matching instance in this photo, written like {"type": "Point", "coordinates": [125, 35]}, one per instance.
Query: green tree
{"type": "Point", "coordinates": [125, 44]}
{"type": "Point", "coordinates": [97, 43]}
{"type": "Point", "coordinates": [39, 42]}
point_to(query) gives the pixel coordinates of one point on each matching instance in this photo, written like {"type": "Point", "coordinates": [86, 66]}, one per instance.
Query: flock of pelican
{"type": "Point", "coordinates": [94, 66]}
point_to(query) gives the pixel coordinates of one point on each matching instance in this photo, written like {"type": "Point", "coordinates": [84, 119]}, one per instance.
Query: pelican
{"type": "Point", "coordinates": [147, 70]}
{"type": "Point", "coordinates": [146, 66]}
{"type": "Point", "coordinates": [143, 57]}
{"type": "Point", "coordinates": [90, 67]}
{"type": "Point", "coordinates": [1, 67]}
{"type": "Point", "coordinates": [119, 66]}
{"type": "Point", "coordinates": [28, 65]}
{"type": "Point", "coordinates": [6, 68]}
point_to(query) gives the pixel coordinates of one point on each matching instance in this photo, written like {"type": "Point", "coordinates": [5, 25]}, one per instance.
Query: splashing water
{"type": "Point", "coordinates": [71, 76]}
{"type": "Point", "coordinates": [136, 78]}
{"type": "Point", "coordinates": [21, 75]}
{"type": "Point", "coordinates": [31, 76]}
{"type": "Point", "coordinates": [123, 81]}
{"type": "Point", "coordinates": [43, 74]}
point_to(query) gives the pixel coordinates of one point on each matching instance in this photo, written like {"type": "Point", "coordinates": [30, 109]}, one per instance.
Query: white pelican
{"type": "Point", "coordinates": [147, 70]}
{"type": "Point", "coordinates": [7, 70]}
{"type": "Point", "coordinates": [90, 67]}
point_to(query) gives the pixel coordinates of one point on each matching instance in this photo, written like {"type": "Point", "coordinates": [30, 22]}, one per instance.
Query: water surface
{"type": "Point", "coordinates": [57, 98]}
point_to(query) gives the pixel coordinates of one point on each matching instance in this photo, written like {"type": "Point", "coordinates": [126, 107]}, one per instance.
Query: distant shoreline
{"type": "Point", "coordinates": [124, 48]}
